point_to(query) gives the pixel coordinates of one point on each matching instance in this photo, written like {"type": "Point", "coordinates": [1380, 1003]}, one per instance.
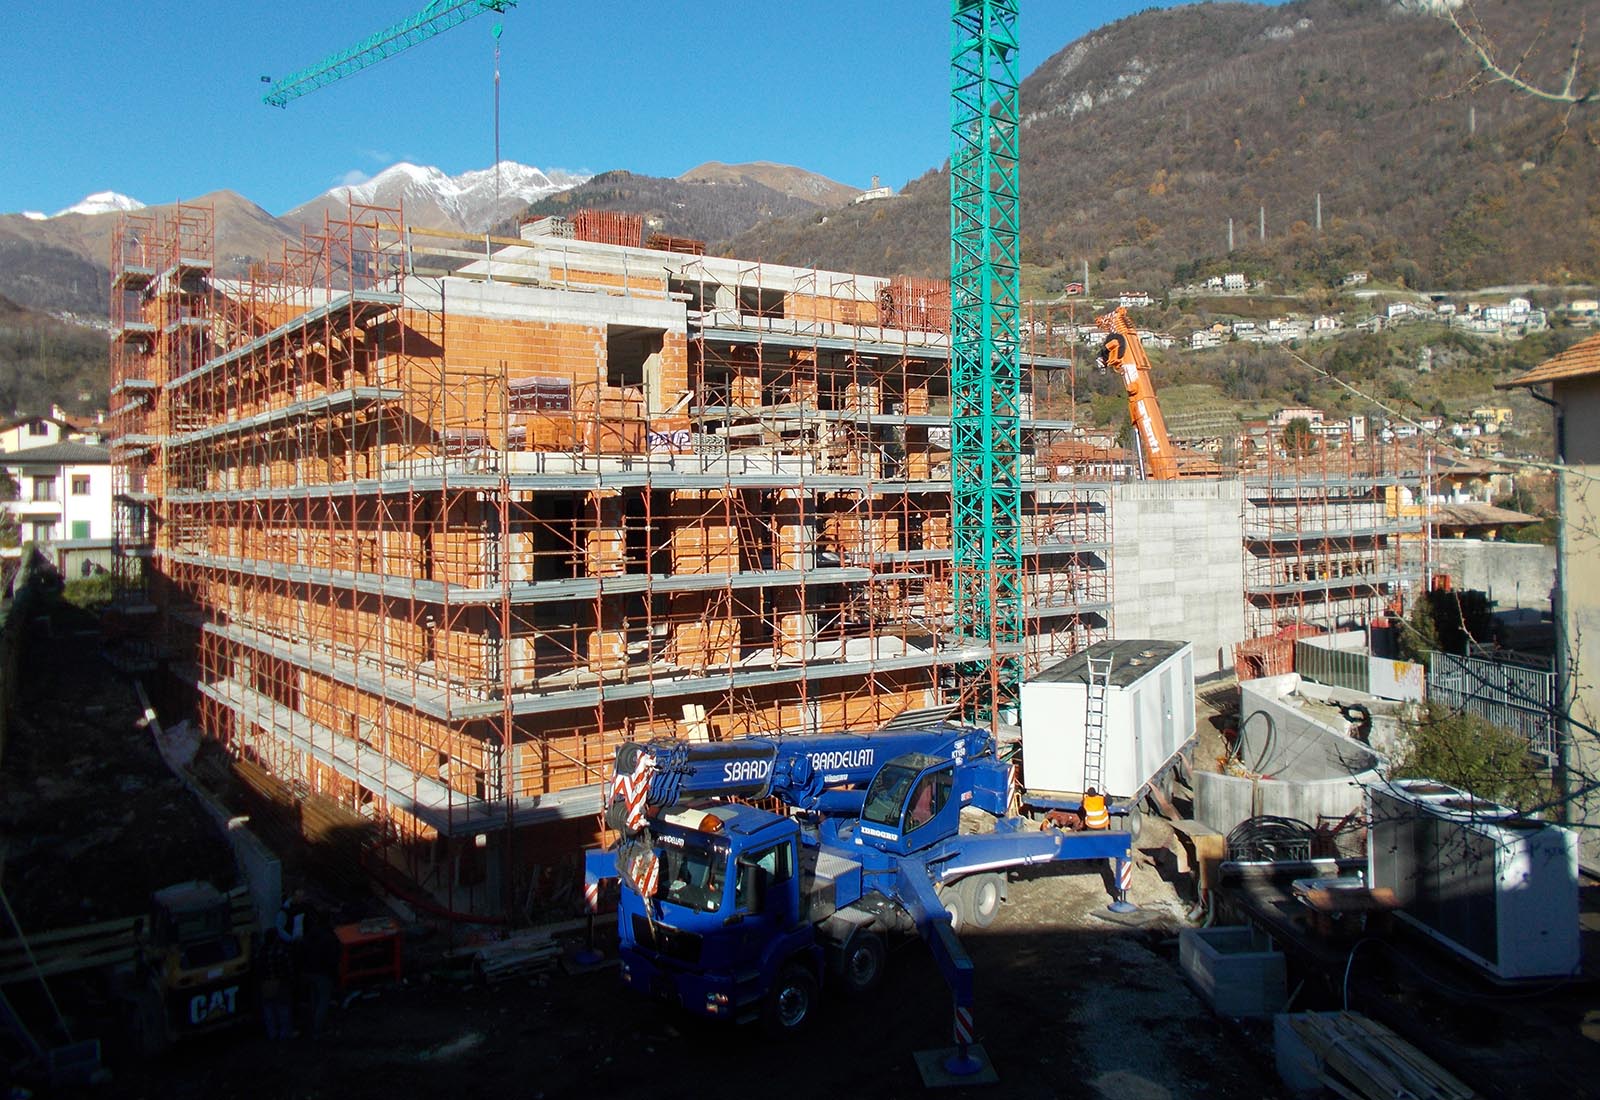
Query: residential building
{"type": "Point", "coordinates": [25, 432]}
{"type": "Point", "coordinates": [1283, 417]}
{"type": "Point", "coordinates": [63, 492]}
{"type": "Point", "coordinates": [435, 541]}
{"type": "Point", "coordinates": [1573, 378]}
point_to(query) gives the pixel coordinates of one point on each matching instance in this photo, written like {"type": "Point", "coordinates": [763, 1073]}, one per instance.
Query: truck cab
{"type": "Point", "coordinates": [719, 915]}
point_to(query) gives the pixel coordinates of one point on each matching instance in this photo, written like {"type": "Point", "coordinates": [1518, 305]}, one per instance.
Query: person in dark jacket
{"type": "Point", "coordinates": [319, 969]}
{"type": "Point", "coordinates": [275, 967]}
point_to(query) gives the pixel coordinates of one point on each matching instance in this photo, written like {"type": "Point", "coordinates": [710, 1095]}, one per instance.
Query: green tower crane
{"type": "Point", "coordinates": [438, 16]}
{"type": "Point", "coordinates": [985, 338]}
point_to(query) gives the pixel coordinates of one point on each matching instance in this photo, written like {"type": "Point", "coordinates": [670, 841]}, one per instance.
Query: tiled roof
{"type": "Point", "coordinates": [1472, 514]}
{"type": "Point", "coordinates": [1581, 360]}
{"type": "Point", "coordinates": [59, 454]}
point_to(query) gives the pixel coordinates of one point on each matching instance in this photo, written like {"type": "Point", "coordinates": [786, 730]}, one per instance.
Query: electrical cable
{"type": "Point", "coordinates": [1268, 837]}
{"type": "Point", "coordinates": [1350, 963]}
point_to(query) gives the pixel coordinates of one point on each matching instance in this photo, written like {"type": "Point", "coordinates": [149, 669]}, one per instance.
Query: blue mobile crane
{"type": "Point", "coordinates": [740, 912]}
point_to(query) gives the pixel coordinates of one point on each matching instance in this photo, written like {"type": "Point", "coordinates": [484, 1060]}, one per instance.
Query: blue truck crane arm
{"type": "Point", "coordinates": [799, 770]}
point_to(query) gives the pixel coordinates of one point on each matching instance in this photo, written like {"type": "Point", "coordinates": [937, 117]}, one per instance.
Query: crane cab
{"type": "Point", "coordinates": [914, 801]}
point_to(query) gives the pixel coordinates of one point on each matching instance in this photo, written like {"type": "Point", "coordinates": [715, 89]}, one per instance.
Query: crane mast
{"type": "Point", "coordinates": [437, 17]}
{"type": "Point", "coordinates": [985, 340]}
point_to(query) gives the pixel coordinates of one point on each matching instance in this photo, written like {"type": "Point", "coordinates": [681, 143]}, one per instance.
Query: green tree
{"type": "Point", "coordinates": [1298, 438]}
{"type": "Point", "coordinates": [1419, 638]}
{"type": "Point", "coordinates": [1472, 753]}
{"type": "Point", "coordinates": [1519, 499]}
{"type": "Point", "coordinates": [10, 529]}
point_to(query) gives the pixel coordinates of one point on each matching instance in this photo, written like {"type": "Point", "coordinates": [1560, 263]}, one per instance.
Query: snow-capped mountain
{"type": "Point", "coordinates": [431, 198]}
{"type": "Point", "coordinates": [101, 202]}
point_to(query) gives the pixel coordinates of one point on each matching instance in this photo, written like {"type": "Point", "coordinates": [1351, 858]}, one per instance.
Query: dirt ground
{"type": "Point", "coordinates": [1068, 1004]}
{"type": "Point", "coordinates": [91, 820]}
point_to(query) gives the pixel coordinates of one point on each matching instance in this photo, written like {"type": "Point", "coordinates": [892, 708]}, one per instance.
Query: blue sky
{"type": "Point", "coordinates": [161, 101]}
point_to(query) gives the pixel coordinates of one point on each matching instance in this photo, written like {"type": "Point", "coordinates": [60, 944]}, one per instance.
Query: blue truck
{"type": "Point", "coordinates": [741, 912]}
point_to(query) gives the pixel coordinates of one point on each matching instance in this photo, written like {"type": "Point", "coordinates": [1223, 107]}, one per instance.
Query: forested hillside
{"type": "Point", "coordinates": [1141, 140]}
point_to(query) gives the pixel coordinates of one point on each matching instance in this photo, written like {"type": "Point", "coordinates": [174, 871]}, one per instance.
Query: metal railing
{"type": "Point", "coordinates": [1514, 697]}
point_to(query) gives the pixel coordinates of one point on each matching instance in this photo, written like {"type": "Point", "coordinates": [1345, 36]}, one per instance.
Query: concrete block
{"type": "Point", "coordinates": [1236, 970]}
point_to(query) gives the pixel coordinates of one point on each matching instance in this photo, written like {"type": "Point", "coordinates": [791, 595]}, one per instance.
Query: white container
{"type": "Point", "coordinates": [1501, 892]}
{"type": "Point", "coordinates": [1149, 717]}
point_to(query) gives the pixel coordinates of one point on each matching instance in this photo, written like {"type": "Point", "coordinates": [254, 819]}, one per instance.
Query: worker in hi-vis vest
{"type": "Point", "coordinates": [1095, 815]}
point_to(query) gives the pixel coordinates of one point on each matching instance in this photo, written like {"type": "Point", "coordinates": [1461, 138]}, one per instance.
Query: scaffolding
{"type": "Point", "coordinates": [439, 520]}
{"type": "Point", "coordinates": [1325, 547]}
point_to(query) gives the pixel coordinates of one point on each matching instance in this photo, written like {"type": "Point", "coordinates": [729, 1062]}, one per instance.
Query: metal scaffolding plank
{"type": "Point", "coordinates": [449, 811]}
{"type": "Point", "coordinates": [859, 345]}
{"type": "Point", "coordinates": [342, 400]}
{"type": "Point", "coordinates": [522, 592]}
{"type": "Point", "coordinates": [458, 706]}
{"type": "Point", "coordinates": [364, 303]}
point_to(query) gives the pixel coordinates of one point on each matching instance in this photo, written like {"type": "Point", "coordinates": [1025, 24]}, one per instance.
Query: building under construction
{"type": "Point", "coordinates": [434, 522]}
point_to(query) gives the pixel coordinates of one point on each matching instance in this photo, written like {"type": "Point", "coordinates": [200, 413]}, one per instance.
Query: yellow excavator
{"type": "Point", "coordinates": [1122, 352]}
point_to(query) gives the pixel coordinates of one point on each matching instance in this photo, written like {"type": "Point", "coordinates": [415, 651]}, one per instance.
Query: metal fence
{"type": "Point", "coordinates": [1346, 668]}
{"type": "Point", "coordinates": [1513, 697]}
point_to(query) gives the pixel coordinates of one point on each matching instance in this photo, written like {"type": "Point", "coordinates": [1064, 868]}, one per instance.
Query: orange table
{"type": "Point", "coordinates": [369, 950]}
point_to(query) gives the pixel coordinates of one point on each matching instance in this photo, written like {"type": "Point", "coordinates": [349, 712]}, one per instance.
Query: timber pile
{"type": "Point", "coordinates": [521, 957]}
{"type": "Point", "coordinates": [1360, 1059]}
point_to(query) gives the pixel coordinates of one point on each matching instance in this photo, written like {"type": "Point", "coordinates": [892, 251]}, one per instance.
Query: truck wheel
{"type": "Point", "coordinates": [861, 968]}
{"type": "Point", "coordinates": [791, 1002]}
{"type": "Point", "coordinates": [982, 899]}
{"type": "Point", "coordinates": [956, 904]}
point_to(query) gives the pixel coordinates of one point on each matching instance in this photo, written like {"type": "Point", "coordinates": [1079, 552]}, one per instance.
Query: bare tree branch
{"type": "Point", "coordinates": [1571, 90]}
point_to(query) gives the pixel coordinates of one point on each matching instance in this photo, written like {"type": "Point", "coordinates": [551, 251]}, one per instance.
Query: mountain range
{"type": "Point", "coordinates": [1140, 142]}
{"type": "Point", "coordinates": [58, 263]}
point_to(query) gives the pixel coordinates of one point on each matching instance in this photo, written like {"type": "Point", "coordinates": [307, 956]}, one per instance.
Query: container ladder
{"type": "Point", "coordinates": [1094, 727]}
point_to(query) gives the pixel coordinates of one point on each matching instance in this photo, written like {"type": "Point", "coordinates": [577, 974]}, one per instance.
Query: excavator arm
{"type": "Point", "coordinates": [1124, 353]}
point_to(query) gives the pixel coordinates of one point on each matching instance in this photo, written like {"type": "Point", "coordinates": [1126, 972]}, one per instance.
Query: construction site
{"type": "Point", "coordinates": [512, 629]}
{"type": "Point", "coordinates": [435, 533]}
{"type": "Point", "coordinates": [435, 524]}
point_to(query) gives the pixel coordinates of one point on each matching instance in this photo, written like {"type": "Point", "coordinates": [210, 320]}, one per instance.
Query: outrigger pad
{"type": "Point", "coordinates": [931, 1064]}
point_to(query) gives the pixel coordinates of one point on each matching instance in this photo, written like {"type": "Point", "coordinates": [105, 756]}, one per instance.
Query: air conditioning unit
{"type": "Point", "coordinates": [1500, 891]}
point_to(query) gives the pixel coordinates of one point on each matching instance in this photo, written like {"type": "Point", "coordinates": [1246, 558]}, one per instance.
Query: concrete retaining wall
{"type": "Point", "coordinates": [1309, 768]}
{"type": "Point", "coordinates": [1178, 552]}
{"type": "Point", "coordinates": [1513, 574]}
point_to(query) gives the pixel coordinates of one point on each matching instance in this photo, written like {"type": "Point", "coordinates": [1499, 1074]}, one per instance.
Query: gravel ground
{"type": "Point", "coordinates": [1068, 1004]}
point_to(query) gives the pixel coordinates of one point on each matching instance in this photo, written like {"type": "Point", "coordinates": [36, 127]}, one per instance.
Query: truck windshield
{"type": "Point", "coordinates": [692, 876]}
{"type": "Point", "coordinates": [886, 797]}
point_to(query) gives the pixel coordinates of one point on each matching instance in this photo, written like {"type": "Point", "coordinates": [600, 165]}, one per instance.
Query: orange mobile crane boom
{"type": "Point", "coordinates": [1123, 353]}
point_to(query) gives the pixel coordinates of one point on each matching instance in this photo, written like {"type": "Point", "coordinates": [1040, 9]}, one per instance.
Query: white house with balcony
{"type": "Point", "coordinates": [63, 501]}
{"type": "Point", "coordinates": [24, 432]}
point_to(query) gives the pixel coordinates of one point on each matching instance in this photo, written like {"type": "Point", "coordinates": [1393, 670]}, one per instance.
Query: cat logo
{"type": "Point", "coordinates": [214, 1005]}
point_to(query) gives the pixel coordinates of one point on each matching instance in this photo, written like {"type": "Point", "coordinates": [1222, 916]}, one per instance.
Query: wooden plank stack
{"type": "Point", "coordinates": [1360, 1059]}
{"type": "Point", "coordinates": [520, 957]}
